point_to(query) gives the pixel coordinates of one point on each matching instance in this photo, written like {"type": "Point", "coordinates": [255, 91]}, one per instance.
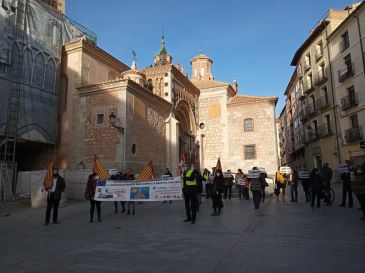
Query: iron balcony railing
{"type": "Point", "coordinates": [349, 101]}
{"type": "Point", "coordinates": [346, 72]}
{"type": "Point", "coordinates": [320, 77]}
{"type": "Point", "coordinates": [313, 136]}
{"type": "Point", "coordinates": [322, 103]}
{"type": "Point", "coordinates": [308, 86]}
{"type": "Point", "coordinates": [324, 130]}
{"type": "Point", "coordinates": [353, 134]}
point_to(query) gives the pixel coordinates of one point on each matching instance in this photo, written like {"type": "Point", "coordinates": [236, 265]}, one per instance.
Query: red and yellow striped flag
{"type": "Point", "coordinates": [99, 169]}
{"type": "Point", "coordinates": [219, 165]}
{"type": "Point", "coordinates": [147, 172]}
{"type": "Point", "coordinates": [48, 179]}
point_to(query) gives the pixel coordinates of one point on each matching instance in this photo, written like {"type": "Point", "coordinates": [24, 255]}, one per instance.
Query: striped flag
{"type": "Point", "coordinates": [182, 164]}
{"type": "Point", "coordinates": [99, 169]}
{"type": "Point", "coordinates": [48, 179]}
{"type": "Point", "coordinates": [219, 165]}
{"type": "Point", "coordinates": [146, 173]}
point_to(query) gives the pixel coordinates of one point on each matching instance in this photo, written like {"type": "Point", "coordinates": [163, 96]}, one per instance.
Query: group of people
{"type": "Point", "coordinates": [218, 186]}
{"type": "Point", "coordinates": [317, 185]}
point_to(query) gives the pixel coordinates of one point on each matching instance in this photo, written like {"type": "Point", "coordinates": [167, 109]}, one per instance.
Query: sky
{"type": "Point", "coordinates": [250, 41]}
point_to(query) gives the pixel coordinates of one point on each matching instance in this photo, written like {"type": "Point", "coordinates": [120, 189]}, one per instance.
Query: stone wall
{"type": "Point", "coordinates": [263, 136]}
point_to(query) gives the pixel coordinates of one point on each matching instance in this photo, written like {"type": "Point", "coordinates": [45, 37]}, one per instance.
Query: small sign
{"type": "Point", "coordinates": [285, 170]}
{"type": "Point", "coordinates": [227, 175]}
{"type": "Point", "coordinates": [343, 168]}
{"type": "Point", "coordinates": [240, 181]}
{"type": "Point", "coordinates": [362, 144]}
{"type": "Point", "coordinates": [113, 171]}
{"type": "Point", "coordinates": [303, 174]}
{"type": "Point", "coordinates": [253, 174]}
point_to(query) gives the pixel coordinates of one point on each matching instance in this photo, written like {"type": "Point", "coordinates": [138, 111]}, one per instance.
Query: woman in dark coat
{"type": "Point", "coordinates": [217, 189]}
{"type": "Point", "coordinates": [91, 186]}
{"type": "Point", "coordinates": [316, 184]}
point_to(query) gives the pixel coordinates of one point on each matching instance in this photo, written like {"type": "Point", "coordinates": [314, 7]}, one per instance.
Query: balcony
{"type": "Point", "coordinates": [304, 139]}
{"type": "Point", "coordinates": [320, 77]}
{"type": "Point", "coordinates": [319, 53]}
{"type": "Point", "coordinates": [301, 94]}
{"type": "Point", "coordinates": [307, 65]}
{"type": "Point", "coordinates": [309, 110]}
{"type": "Point", "coordinates": [349, 101]}
{"type": "Point", "coordinates": [353, 134]}
{"type": "Point", "coordinates": [346, 72]}
{"type": "Point", "coordinates": [322, 103]}
{"type": "Point", "coordinates": [302, 116]}
{"type": "Point", "coordinates": [324, 130]}
{"type": "Point", "coordinates": [308, 86]}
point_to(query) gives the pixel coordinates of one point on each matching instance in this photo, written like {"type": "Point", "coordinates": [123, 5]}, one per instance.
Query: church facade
{"type": "Point", "coordinates": [129, 116]}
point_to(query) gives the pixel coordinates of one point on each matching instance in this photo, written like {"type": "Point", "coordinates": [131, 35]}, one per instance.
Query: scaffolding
{"type": "Point", "coordinates": [59, 30]}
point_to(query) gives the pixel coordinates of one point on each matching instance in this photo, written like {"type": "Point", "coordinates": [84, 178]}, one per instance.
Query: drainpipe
{"type": "Point", "coordinates": [340, 158]}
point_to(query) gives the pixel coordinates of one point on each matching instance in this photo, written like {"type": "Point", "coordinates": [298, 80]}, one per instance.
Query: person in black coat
{"type": "Point", "coordinates": [217, 189]}
{"type": "Point", "coordinates": [54, 196]}
{"type": "Point", "coordinates": [346, 189]}
{"type": "Point", "coordinates": [317, 187]}
{"type": "Point", "coordinates": [91, 186]}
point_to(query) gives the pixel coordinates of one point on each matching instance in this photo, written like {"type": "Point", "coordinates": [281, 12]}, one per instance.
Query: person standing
{"type": "Point", "coordinates": [326, 174]}
{"type": "Point", "coordinates": [246, 187]}
{"type": "Point", "coordinates": [91, 186]}
{"type": "Point", "coordinates": [256, 189]}
{"type": "Point", "coordinates": [208, 187]}
{"type": "Point", "coordinates": [130, 176]}
{"type": "Point", "coordinates": [280, 184]}
{"type": "Point", "coordinates": [305, 185]}
{"type": "Point", "coordinates": [346, 189]}
{"type": "Point", "coordinates": [240, 179]}
{"type": "Point", "coordinates": [294, 186]}
{"type": "Point", "coordinates": [264, 184]}
{"type": "Point", "coordinates": [190, 192]}
{"type": "Point", "coordinates": [217, 190]}
{"type": "Point", "coordinates": [54, 196]}
{"type": "Point", "coordinates": [316, 184]}
{"type": "Point", "coordinates": [358, 186]}
{"type": "Point", "coordinates": [228, 182]}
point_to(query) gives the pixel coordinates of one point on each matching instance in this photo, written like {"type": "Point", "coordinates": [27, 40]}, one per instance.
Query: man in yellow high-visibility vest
{"type": "Point", "coordinates": [190, 191]}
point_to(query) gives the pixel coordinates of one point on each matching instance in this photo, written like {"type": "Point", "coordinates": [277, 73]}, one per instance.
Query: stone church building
{"type": "Point", "coordinates": [128, 116]}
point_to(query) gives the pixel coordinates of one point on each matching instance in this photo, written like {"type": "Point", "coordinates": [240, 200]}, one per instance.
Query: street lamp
{"type": "Point", "coordinates": [112, 120]}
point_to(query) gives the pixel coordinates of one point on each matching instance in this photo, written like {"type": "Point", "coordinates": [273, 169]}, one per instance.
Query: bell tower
{"type": "Point", "coordinates": [162, 57]}
{"type": "Point", "coordinates": [201, 68]}
{"type": "Point", "coordinates": [58, 5]}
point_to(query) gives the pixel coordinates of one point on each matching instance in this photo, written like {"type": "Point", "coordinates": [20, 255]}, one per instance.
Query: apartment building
{"type": "Point", "coordinates": [310, 100]}
{"type": "Point", "coordinates": [347, 61]}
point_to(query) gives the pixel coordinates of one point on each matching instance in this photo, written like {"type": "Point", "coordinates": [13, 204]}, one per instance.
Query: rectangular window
{"type": "Point", "coordinates": [354, 121]}
{"type": "Point", "coordinates": [100, 119]}
{"type": "Point", "coordinates": [248, 125]}
{"type": "Point", "coordinates": [250, 152]}
{"type": "Point", "coordinates": [328, 122]}
{"type": "Point", "coordinates": [345, 41]}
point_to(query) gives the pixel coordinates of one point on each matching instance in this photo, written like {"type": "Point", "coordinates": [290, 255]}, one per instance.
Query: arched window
{"type": "Point", "coordinates": [27, 66]}
{"type": "Point", "coordinates": [38, 71]}
{"type": "Point", "coordinates": [49, 81]}
{"type": "Point", "coordinates": [150, 85]}
{"type": "Point", "coordinates": [248, 125]}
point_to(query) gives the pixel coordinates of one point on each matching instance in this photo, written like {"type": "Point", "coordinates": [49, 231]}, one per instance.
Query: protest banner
{"type": "Point", "coordinates": [303, 174]}
{"type": "Point", "coordinates": [133, 190]}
